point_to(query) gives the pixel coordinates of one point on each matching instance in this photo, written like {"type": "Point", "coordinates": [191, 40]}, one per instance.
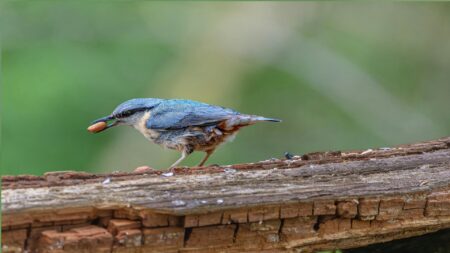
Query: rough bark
{"type": "Point", "coordinates": [320, 200]}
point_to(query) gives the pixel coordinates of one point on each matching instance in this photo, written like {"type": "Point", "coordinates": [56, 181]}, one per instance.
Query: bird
{"type": "Point", "coordinates": [179, 124]}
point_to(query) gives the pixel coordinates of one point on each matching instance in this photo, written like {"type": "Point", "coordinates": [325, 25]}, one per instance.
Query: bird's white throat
{"type": "Point", "coordinates": [141, 126]}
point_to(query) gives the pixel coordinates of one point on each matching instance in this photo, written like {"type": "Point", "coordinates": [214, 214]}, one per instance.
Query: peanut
{"type": "Point", "coordinates": [97, 127]}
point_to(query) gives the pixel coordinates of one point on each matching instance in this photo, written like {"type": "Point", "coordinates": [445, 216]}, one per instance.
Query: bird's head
{"type": "Point", "coordinates": [128, 113]}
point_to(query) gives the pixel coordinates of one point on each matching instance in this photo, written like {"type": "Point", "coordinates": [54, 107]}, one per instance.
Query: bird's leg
{"type": "Point", "coordinates": [183, 156]}
{"type": "Point", "coordinates": [208, 153]}
{"type": "Point", "coordinates": [187, 150]}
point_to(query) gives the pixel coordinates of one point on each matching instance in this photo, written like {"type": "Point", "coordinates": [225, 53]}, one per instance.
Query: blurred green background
{"type": "Point", "coordinates": [340, 75]}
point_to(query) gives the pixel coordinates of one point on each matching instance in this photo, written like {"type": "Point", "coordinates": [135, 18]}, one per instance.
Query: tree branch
{"type": "Point", "coordinates": [317, 201]}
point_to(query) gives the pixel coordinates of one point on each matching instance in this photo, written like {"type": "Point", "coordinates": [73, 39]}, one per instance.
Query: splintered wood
{"type": "Point", "coordinates": [323, 200]}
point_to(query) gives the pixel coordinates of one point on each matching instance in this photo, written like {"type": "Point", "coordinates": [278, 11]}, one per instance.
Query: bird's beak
{"type": "Point", "coordinates": [113, 122]}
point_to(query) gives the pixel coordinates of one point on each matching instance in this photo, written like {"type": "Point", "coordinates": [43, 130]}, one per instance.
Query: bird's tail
{"type": "Point", "coordinates": [245, 120]}
{"type": "Point", "coordinates": [260, 118]}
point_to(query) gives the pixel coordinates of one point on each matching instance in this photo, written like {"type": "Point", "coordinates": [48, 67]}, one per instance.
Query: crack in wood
{"type": "Point", "coordinates": [331, 200]}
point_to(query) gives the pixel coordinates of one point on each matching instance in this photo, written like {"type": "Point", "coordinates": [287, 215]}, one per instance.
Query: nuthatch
{"type": "Point", "coordinates": [183, 125]}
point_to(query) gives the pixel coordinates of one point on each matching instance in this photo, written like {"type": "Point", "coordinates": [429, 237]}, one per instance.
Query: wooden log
{"type": "Point", "coordinates": [321, 200]}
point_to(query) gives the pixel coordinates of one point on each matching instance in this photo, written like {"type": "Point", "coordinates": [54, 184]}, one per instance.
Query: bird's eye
{"type": "Point", "coordinates": [124, 114]}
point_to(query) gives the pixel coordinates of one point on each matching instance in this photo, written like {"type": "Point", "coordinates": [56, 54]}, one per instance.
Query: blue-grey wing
{"type": "Point", "coordinates": [177, 114]}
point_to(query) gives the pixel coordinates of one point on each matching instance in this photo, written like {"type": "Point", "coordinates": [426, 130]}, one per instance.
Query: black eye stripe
{"type": "Point", "coordinates": [124, 114]}
{"type": "Point", "coordinates": [129, 112]}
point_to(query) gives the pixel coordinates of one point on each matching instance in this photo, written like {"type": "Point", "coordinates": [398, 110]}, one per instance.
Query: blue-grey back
{"type": "Point", "coordinates": [179, 113]}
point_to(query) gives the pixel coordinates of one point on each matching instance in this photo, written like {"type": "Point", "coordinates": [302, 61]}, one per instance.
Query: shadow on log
{"type": "Point", "coordinates": [323, 200]}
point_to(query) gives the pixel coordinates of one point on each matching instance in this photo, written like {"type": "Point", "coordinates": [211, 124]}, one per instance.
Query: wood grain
{"type": "Point", "coordinates": [314, 201]}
